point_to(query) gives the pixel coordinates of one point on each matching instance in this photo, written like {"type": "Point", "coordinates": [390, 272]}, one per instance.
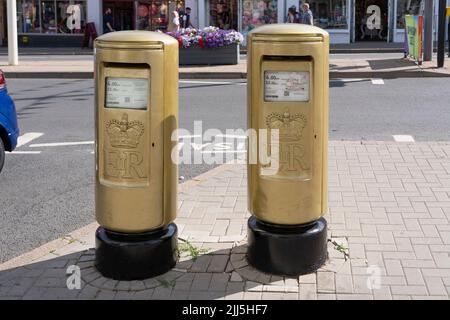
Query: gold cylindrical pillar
{"type": "Point", "coordinates": [136, 86]}
{"type": "Point", "coordinates": [288, 110]}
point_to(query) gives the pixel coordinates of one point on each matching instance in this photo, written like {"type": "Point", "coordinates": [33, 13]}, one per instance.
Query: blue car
{"type": "Point", "coordinates": [9, 131]}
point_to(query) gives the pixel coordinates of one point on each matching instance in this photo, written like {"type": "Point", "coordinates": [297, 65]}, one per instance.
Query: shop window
{"type": "Point", "coordinates": [71, 16]}
{"type": "Point", "coordinates": [405, 7]}
{"type": "Point", "coordinates": [51, 16]}
{"type": "Point", "coordinates": [48, 14]}
{"type": "Point", "coordinates": [258, 12]}
{"type": "Point", "coordinates": [28, 16]}
{"type": "Point", "coordinates": [223, 14]}
{"type": "Point", "coordinates": [329, 14]}
{"type": "Point", "coordinates": [156, 15]}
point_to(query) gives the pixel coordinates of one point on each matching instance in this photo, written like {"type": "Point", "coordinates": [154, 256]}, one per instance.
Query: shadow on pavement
{"type": "Point", "coordinates": [210, 271]}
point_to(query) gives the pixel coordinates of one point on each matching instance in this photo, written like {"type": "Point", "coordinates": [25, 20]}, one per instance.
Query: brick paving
{"type": "Point", "coordinates": [389, 235]}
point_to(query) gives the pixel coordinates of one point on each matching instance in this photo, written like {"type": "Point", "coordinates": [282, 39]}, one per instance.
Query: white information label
{"type": "Point", "coordinates": [128, 93]}
{"type": "Point", "coordinates": [282, 86]}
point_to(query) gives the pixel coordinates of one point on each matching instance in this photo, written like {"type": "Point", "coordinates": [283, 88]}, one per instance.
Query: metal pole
{"type": "Point", "coordinates": [441, 34]}
{"type": "Point", "coordinates": [428, 32]}
{"type": "Point", "coordinates": [13, 51]}
{"type": "Point", "coordinates": [448, 30]}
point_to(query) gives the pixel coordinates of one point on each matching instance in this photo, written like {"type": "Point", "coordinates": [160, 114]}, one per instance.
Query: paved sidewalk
{"type": "Point", "coordinates": [54, 66]}
{"type": "Point", "coordinates": [358, 47]}
{"type": "Point", "coordinates": [389, 231]}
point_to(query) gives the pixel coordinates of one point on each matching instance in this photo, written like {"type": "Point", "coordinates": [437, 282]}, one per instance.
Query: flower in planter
{"type": "Point", "coordinates": [209, 37]}
{"type": "Point", "coordinates": [233, 37]}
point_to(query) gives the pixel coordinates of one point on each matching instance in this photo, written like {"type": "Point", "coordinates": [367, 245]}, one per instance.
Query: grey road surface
{"type": "Point", "coordinates": [47, 190]}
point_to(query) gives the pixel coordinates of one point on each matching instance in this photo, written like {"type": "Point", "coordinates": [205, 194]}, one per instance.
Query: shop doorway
{"type": "Point", "coordinates": [122, 13]}
{"type": "Point", "coordinates": [223, 14]}
{"type": "Point", "coordinates": [371, 20]}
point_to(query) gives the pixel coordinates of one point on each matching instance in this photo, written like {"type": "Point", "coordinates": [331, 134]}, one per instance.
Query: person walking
{"type": "Point", "coordinates": [108, 21]}
{"type": "Point", "coordinates": [292, 16]}
{"type": "Point", "coordinates": [174, 26]}
{"type": "Point", "coordinates": [186, 19]}
{"type": "Point", "coordinates": [306, 15]}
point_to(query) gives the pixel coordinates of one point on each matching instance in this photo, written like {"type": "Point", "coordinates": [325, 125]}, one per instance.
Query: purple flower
{"type": "Point", "coordinates": [212, 37]}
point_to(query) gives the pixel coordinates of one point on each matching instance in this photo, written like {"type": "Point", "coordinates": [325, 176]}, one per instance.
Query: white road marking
{"type": "Point", "coordinates": [27, 138]}
{"type": "Point", "coordinates": [24, 152]}
{"type": "Point", "coordinates": [377, 81]}
{"type": "Point", "coordinates": [60, 144]}
{"type": "Point", "coordinates": [403, 138]}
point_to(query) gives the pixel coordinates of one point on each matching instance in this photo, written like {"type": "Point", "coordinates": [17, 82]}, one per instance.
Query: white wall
{"type": "Point", "coordinates": [94, 14]}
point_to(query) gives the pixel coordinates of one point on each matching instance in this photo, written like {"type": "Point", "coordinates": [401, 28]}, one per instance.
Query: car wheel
{"type": "Point", "coordinates": [2, 154]}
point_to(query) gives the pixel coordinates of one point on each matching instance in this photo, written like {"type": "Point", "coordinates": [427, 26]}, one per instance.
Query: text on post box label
{"type": "Point", "coordinates": [128, 93]}
{"type": "Point", "coordinates": [285, 86]}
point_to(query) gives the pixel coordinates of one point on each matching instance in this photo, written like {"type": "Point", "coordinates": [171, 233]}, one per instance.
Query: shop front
{"type": "Point", "coordinates": [242, 15]}
{"type": "Point", "coordinates": [148, 15]}
{"type": "Point", "coordinates": [363, 20]}
{"type": "Point", "coordinates": [52, 23]}
{"type": "Point", "coordinates": [258, 12]}
{"type": "Point", "coordinates": [335, 16]}
{"type": "Point", "coordinates": [405, 7]}
{"type": "Point", "coordinates": [223, 14]}
{"type": "Point", "coordinates": [347, 21]}
{"type": "Point", "coordinates": [56, 23]}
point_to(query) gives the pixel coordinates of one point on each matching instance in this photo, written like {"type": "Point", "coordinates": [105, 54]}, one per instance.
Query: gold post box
{"type": "Point", "coordinates": [136, 86]}
{"type": "Point", "coordinates": [287, 184]}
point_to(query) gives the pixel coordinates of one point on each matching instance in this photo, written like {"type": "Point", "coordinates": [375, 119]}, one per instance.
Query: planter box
{"type": "Point", "coordinates": [194, 55]}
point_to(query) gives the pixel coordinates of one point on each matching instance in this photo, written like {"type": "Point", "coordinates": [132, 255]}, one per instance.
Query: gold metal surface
{"type": "Point", "coordinates": [296, 192]}
{"type": "Point", "coordinates": [136, 180]}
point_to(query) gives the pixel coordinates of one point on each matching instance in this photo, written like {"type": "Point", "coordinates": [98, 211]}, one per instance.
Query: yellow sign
{"type": "Point", "coordinates": [447, 13]}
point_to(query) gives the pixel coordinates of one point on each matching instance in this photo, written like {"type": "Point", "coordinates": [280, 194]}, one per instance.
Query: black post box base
{"type": "Point", "coordinates": [126, 256]}
{"type": "Point", "coordinates": [287, 250]}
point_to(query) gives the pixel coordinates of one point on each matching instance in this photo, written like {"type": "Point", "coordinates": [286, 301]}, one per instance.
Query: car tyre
{"type": "Point", "coordinates": [2, 154]}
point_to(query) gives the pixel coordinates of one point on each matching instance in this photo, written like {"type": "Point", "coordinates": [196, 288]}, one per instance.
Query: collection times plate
{"type": "Point", "coordinates": [284, 86]}
{"type": "Point", "coordinates": [128, 93]}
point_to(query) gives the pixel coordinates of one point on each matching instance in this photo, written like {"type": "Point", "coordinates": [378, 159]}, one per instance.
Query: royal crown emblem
{"type": "Point", "coordinates": [290, 126]}
{"type": "Point", "coordinates": [124, 133]}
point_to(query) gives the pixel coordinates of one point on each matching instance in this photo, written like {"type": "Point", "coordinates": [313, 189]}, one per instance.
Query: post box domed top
{"type": "Point", "coordinates": [286, 29]}
{"type": "Point", "coordinates": [137, 37]}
